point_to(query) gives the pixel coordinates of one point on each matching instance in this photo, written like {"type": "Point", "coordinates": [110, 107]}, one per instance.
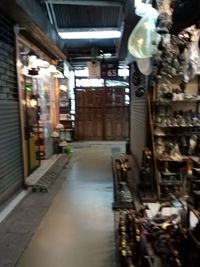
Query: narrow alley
{"type": "Point", "coordinates": [78, 229]}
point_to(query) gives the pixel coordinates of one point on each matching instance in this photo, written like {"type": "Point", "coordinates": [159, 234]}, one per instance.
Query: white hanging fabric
{"type": "Point", "coordinates": [144, 66]}
{"type": "Point", "coordinates": [141, 40]}
{"type": "Point", "coordinates": [141, 8]}
{"type": "Point", "coordinates": [140, 43]}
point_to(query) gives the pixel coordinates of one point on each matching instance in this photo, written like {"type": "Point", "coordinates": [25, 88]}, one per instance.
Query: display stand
{"type": "Point", "coordinates": [175, 132]}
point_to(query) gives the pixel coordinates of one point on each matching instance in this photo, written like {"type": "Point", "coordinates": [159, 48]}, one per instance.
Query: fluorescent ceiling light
{"type": "Point", "coordinates": [90, 35]}
{"type": "Point", "coordinates": [107, 55]}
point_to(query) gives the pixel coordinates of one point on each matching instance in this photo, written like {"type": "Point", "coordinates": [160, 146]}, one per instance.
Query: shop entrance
{"type": "Point", "coordinates": [31, 125]}
{"type": "Point", "coordinates": [102, 113]}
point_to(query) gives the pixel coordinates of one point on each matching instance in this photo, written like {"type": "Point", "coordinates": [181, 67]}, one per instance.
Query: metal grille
{"type": "Point", "coordinates": [138, 110]}
{"type": "Point", "coordinates": [10, 138]}
{"type": "Point", "coordinates": [85, 16]}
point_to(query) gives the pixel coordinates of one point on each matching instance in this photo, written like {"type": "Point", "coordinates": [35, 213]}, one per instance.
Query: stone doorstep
{"type": "Point", "coordinates": [48, 178]}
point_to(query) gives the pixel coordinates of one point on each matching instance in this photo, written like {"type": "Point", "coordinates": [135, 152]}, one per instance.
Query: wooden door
{"type": "Point", "coordinates": [101, 114]}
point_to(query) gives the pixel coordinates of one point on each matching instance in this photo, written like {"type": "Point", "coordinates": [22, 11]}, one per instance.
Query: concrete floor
{"type": "Point", "coordinates": [78, 229]}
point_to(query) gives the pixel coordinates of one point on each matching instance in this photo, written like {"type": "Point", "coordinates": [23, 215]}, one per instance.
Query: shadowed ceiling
{"type": "Point", "coordinates": [74, 15]}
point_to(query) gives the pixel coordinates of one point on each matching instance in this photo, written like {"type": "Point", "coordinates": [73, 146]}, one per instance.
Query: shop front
{"type": "Point", "coordinates": [39, 103]}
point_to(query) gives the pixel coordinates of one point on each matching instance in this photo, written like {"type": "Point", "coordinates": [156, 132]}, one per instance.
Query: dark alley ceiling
{"type": "Point", "coordinates": [41, 20]}
{"type": "Point", "coordinates": [74, 15]}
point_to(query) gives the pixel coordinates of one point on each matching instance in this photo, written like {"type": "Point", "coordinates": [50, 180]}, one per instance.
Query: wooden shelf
{"type": "Point", "coordinates": [172, 160]}
{"type": "Point", "coordinates": [184, 158]}
{"type": "Point", "coordinates": [161, 108]}
{"type": "Point", "coordinates": [171, 183]}
{"type": "Point", "coordinates": [170, 102]}
{"type": "Point", "coordinates": [66, 120]}
{"type": "Point", "coordinates": [177, 127]}
{"type": "Point", "coordinates": [174, 135]}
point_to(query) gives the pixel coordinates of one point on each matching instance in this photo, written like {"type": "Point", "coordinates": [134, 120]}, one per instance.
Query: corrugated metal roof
{"type": "Point", "coordinates": [73, 16]}
{"type": "Point", "coordinates": [80, 15]}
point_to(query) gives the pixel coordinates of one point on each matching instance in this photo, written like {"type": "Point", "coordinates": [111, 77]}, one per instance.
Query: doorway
{"type": "Point", "coordinates": [102, 114]}
{"type": "Point", "coordinates": [31, 126]}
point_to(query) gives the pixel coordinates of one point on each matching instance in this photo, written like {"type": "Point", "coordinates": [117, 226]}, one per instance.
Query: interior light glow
{"type": "Point", "coordinates": [107, 55]}
{"type": "Point", "coordinates": [123, 72]}
{"type": "Point", "coordinates": [63, 87]}
{"type": "Point", "coordinates": [90, 35]}
{"type": "Point", "coordinates": [89, 82]}
{"type": "Point", "coordinates": [82, 73]}
{"type": "Point", "coordinates": [33, 103]}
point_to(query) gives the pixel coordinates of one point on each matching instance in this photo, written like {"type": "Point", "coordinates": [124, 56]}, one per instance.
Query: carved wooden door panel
{"type": "Point", "coordinates": [101, 114]}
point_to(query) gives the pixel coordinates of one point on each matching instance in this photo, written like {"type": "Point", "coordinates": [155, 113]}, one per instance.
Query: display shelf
{"type": "Point", "coordinates": [171, 102]}
{"type": "Point", "coordinates": [170, 183]}
{"type": "Point", "coordinates": [64, 105]}
{"type": "Point", "coordinates": [177, 134]}
{"type": "Point", "coordinates": [177, 127]}
{"type": "Point", "coordinates": [174, 121]}
{"type": "Point", "coordinates": [184, 158]}
{"type": "Point", "coordinates": [168, 159]}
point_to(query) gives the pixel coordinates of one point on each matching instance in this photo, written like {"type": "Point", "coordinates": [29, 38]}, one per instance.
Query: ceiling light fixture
{"type": "Point", "coordinates": [90, 35]}
{"type": "Point", "coordinates": [106, 55]}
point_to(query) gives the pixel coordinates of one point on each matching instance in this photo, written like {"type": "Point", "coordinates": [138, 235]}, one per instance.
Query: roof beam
{"type": "Point", "coordinates": [87, 2]}
{"type": "Point", "coordinates": [49, 13]}
{"type": "Point", "coordinates": [53, 16]}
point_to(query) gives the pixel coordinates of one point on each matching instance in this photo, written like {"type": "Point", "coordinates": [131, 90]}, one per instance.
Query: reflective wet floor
{"type": "Point", "coordinates": [78, 229]}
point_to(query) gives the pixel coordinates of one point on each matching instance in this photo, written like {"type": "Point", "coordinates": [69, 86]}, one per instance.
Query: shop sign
{"type": "Point", "coordinates": [94, 69]}
{"type": "Point", "coordinates": [109, 69]}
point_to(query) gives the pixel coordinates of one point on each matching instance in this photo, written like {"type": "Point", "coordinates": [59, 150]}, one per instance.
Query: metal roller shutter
{"type": "Point", "coordinates": [138, 121]}
{"type": "Point", "coordinates": [11, 167]}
